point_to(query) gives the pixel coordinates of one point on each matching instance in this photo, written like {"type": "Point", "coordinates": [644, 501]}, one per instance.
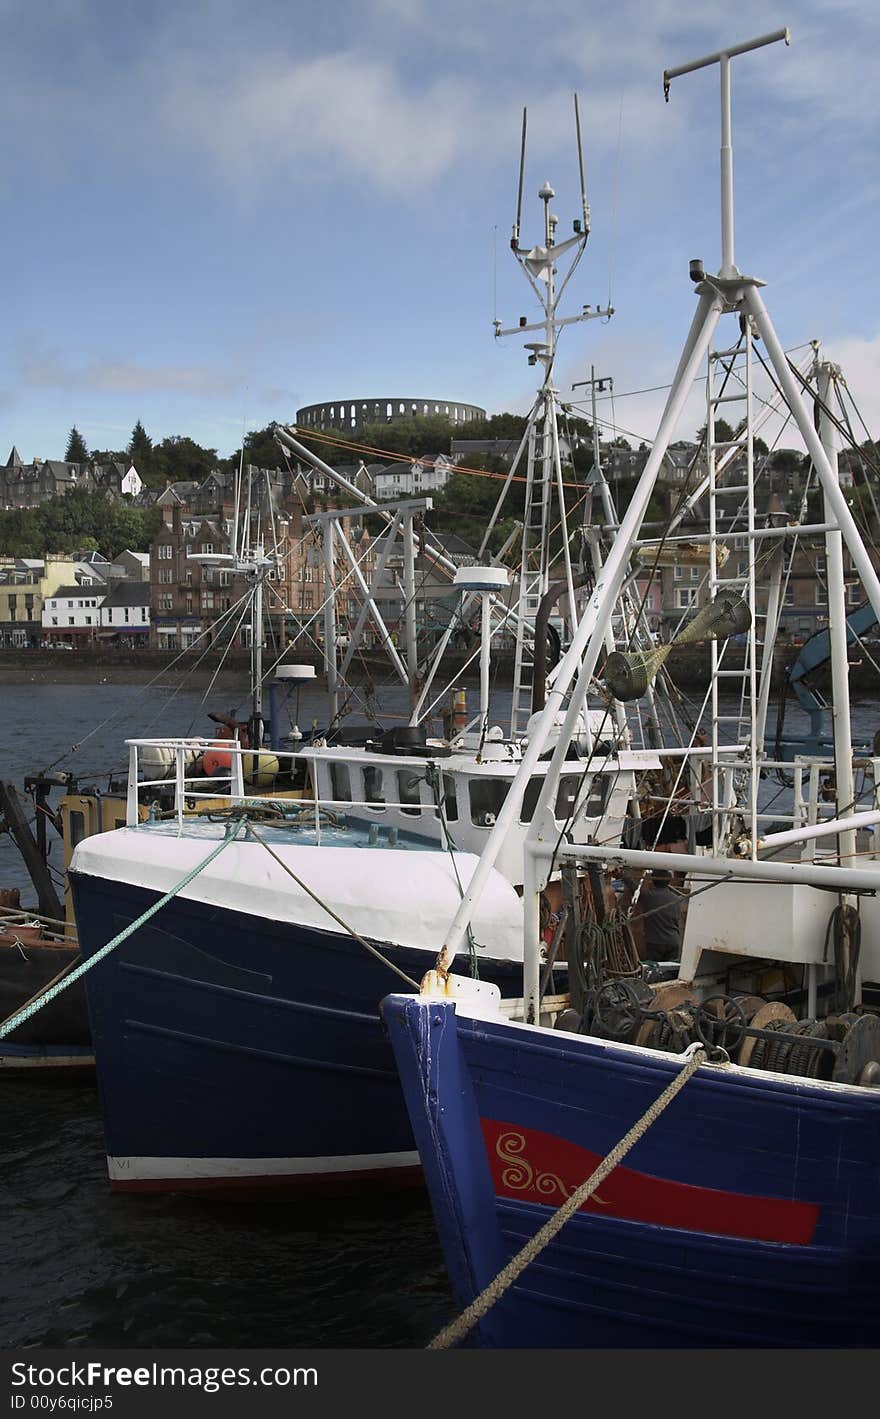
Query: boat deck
{"type": "Point", "coordinates": [302, 830]}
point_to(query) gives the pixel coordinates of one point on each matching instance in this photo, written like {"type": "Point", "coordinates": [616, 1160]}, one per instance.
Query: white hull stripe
{"type": "Point", "coordinates": [133, 1169]}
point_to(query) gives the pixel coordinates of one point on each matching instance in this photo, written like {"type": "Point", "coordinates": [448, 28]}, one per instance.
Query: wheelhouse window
{"type": "Point", "coordinates": [340, 782]}
{"type": "Point", "coordinates": [530, 798]}
{"type": "Point", "coordinates": [591, 800]}
{"type": "Point", "coordinates": [487, 797]}
{"type": "Point", "coordinates": [374, 787]}
{"type": "Point", "coordinates": [450, 800]}
{"type": "Point", "coordinates": [408, 792]}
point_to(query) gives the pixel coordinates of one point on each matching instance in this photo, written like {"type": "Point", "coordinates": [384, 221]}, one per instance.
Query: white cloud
{"type": "Point", "coordinates": [48, 370]}
{"type": "Point", "coordinates": [859, 361]}
{"type": "Point", "coordinates": [401, 92]}
{"type": "Point", "coordinates": [339, 109]}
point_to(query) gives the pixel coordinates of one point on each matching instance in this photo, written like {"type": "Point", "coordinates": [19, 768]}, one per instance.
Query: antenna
{"type": "Point", "coordinates": [514, 240]}
{"type": "Point", "coordinates": [237, 511]}
{"type": "Point", "coordinates": [722, 58]}
{"type": "Point", "coordinates": [540, 446]}
{"type": "Point", "coordinates": [585, 206]}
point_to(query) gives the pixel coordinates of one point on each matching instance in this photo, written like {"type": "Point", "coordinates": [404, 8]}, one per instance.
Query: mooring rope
{"type": "Point", "coordinates": [37, 1002]}
{"type": "Point", "coordinates": [482, 1304]}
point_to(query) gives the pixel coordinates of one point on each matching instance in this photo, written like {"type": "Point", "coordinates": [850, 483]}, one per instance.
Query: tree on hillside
{"type": "Point", "coordinates": [723, 432]}
{"type": "Point", "coordinates": [466, 503]}
{"type": "Point", "coordinates": [411, 436]}
{"type": "Point", "coordinates": [180, 459]}
{"type": "Point", "coordinates": [261, 450]}
{"type": "Point", "coordinates": [140, 451]}
{"type": "Point", "coordinates": [20, 534]}
{"type": "Point", "coordinates": [786, 460]}
{"type": "Point", "coordinates": [497, 426]}
{"type": "Point", "coordinates": [77, 451]}
{"type": "Point", "coordinates": [109, 455]}
{"type": "Point", "coordinates": [82, 520]}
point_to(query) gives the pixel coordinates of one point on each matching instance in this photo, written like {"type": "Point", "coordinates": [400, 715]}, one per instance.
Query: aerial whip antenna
{"type": "Point", "coordinates": [514, 240]}
{"type": "Point", "coordinates": [585, 206]}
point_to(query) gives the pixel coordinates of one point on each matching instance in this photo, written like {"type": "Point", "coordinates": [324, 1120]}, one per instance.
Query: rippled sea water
{"type": "Point", "coordinates": [83, 1266]}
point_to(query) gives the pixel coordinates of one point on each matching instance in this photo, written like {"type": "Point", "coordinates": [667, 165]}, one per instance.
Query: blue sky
{"type": "Point", "coordinates": [216, 213]}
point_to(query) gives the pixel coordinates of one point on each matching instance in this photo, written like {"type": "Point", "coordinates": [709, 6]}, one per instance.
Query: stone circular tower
{"type": "Point", "coordinates": [353, 414]}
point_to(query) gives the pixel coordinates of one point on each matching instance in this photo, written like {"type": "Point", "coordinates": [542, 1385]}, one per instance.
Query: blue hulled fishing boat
{"type": "Point", "coordinates": [694, 1161]}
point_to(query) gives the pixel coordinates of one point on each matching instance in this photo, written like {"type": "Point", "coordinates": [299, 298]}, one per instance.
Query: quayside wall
{"type": "Point", "coordinates": [688, 667]}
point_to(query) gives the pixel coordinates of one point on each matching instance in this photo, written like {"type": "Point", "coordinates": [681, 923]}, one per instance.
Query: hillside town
{"type": "Point", "coordinates": [176, 591]}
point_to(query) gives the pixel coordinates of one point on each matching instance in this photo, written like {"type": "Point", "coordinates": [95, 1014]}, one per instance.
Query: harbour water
{"type": "Point", "coordinates": [84, 1267]}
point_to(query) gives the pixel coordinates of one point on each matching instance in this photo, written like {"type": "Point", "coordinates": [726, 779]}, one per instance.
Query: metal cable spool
{"type": "Point", "coordinates": [813, 1063]}
{"type": "Point", "coordinates": [761, 1056]}
{"type": "Point", "coordinates": [821, 1066]}
{"type": "Point", "coordinates": [663, 997]}
{"type": "Point", "coordinates": [799, 1055]}
{"type": "Point", "coordinates": [763, 1019]}
{"type": "Point", "coordinates": [749, 1005]}
{"type": "Point", "coordinates": [776, 1052]}
{"type": "Point", "coordinates": [858, 1056]}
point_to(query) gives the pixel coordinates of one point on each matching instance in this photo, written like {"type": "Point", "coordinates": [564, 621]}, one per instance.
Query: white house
{"type": "Point", "coordinates": [132, 482]}
{"type": "Point", "coordinates": [428, 474]}
{"type": "Point", "coordinates": [73, 613]}
{"type": "Point", "coordinates": [125, 613]}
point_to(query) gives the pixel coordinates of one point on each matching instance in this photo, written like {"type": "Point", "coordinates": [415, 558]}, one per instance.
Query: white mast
{"type": "Point", "coordinates": [728, 291]}
{"type": "Point", "coordinates": [826, 374]}
{"type": "Point", "coordinates": [544, 465]}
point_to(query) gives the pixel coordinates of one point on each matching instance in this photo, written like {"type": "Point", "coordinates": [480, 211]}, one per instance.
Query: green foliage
{"type": "Point", "coordinates": [786, 460]}
{"type": "Point", "coordinates": [261, 450]}
{"type": "Point", "coordinates": [76, 451]}
{"type": "Point", "coordinates": [79, 521]}
{"type": "Point", "coordinates": [20, 534]}
{"type": "Point", "coordinates": [423, 433]}
{"type": "Point", "coordinates": [180, 459]}
{"type": "Point", "coordinates": [109, 455]}
{"type": "Point", "coordinates": [498, 426]}
{"type": "Point", "coordinates": [467, 502]}
{"type": "Point", "coordinates": [413, 437]}
{"type": "Point", "coordinates": [723, 432]}
{"type": "Point", "coordinates": [140, 451]}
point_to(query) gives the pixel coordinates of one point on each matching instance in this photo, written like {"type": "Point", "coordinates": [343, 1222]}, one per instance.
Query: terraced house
{"type": "Point", "coordinates": [25, 584]}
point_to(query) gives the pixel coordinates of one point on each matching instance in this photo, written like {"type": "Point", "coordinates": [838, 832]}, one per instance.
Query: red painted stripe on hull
{"type": "Point", "coordinates": [539, 1167]}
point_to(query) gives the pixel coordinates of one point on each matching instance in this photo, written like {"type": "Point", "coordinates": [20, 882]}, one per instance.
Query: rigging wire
{"type": "Point", "coordinates": [117, 714]}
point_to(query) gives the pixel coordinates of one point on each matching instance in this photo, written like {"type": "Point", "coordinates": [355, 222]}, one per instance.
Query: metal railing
{"type": "Point", "coordinates": [189, 788]}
